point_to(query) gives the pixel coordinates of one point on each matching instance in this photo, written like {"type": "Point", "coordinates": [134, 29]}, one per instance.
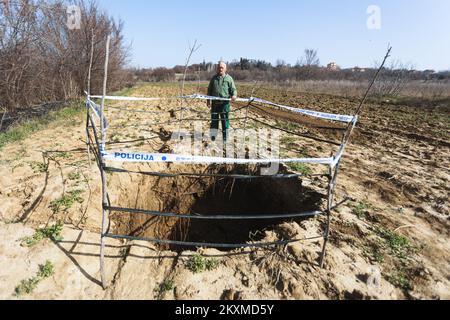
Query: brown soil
{"type": "Point", "coordinates": [396, 170]}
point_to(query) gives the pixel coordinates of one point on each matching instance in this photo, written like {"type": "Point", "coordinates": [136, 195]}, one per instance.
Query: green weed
{"type": "Point", "coordinates": [39, 167]}
{"type": "Point", "coordinates": [66, 201]}
{"type": "Point", "coordinates": [300, 167]}
{"type": "Point", "coordinates": [375, 253]}
{"type": "Point", "coordinates": [63, 155]}
{"type": "Point", "coordinates": [74, 176]}
{"type": "Point", "coordinates": [45, 270]}
{"type": "Point", "coordinates": [400, 280]}
{"type": "Point", "coordinates": [360, 209]}
{"type": "Point", "coordinates": [198, 264]}
{"type": "Point", "coordinates": [399, 245]}
{"type": "Point", "coordinates": [27, 286]}
{"type": "Point", "coordinates": [167, 285]}
{"type": "Point", "coordinates": [52, 233]}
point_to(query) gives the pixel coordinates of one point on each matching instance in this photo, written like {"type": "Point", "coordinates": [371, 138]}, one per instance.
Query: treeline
{"type": "Point", "coordinates": [45, 51]}
{"type": "Point", "coordinates": [307, 68]}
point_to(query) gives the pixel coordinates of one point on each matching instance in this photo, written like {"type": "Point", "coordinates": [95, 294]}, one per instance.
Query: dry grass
{"type": "Point", "coordinates": [346, 88]}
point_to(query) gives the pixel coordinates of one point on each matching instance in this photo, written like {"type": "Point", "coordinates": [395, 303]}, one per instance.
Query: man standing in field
{"type": "Point", "coordinates": [222, 86]}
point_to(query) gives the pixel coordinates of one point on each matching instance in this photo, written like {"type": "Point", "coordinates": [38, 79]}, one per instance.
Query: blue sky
{"type": "Point", "coordinates": [160, 31]}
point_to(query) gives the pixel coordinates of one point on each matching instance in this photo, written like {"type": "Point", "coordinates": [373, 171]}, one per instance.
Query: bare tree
{"type": "Point", "coordinates": [393, 78]}
{"type": "Point", "coordinates": [310, 59]}
{"type": "Point", "coordinates": [42, 60]}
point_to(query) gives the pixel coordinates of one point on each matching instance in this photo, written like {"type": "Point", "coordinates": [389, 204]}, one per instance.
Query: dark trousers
{"type": "Point", "coordinates": [220, 111]}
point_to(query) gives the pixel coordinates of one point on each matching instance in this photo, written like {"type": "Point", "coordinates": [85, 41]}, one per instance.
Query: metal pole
{"type": "Point", "coordinates": [331, 190]}
{"type": "Point", "coordinates": [103, 173]}
{"type": "Point", "coordinates": [245, 124]}
{"type": "Point", "coordinates": [329, 206]}
{"type": "Point", "coordinates": [246, 115]}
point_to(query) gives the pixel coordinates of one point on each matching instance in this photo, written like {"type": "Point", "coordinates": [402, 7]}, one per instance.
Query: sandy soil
{"type": "Point", "coordinates": [390, 242]}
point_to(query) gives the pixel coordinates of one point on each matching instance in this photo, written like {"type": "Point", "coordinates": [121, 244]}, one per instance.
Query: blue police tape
{"type": "Point", "coordinates": [322, 115]}
{"type": "Point", "coordinates": [316, 114]}
{"type": "Point", "coordinates": [175, 158]}
{"type": "Point", "coordinates": [341, 150]}
{"type": "Point", "coordinates": [97, 111]}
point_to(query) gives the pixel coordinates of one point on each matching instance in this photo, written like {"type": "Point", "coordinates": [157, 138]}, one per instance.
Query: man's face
{"type": "Point", "coordinates": [221, 69]}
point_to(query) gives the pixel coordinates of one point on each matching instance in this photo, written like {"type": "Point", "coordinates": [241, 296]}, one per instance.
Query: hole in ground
{"type": "Point", "coordinates": [211, 196]}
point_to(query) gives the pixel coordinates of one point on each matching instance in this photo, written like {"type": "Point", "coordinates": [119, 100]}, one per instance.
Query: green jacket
{"type": "Point", "coordinates": [222, 87]}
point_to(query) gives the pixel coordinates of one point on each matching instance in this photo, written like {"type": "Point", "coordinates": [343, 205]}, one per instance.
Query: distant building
{"type": "Point", "coordinates": [358, 69]}
{"type": "Point", "coordinates": [333, 66]}
{"type": "Point", "coordinates": [209, 67]}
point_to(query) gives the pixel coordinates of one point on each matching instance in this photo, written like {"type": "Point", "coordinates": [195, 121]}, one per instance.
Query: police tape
{"type": "Point", "coordinates": [205, 97]}
{"type": "Point", "coordinates": [341, 150]}
{"type": "Point", "coordinates": [316, 114]}
{"type": "Point", "coordinates": [175, 158]}
{"type": "Point", "coordinates": [98, 111]}
{"type": "Point", "coordinates": [189, 97]}
{"type": "Point", "coordinates": [118, 98]}
{"type": "Point", "coordinates": [311, 113]}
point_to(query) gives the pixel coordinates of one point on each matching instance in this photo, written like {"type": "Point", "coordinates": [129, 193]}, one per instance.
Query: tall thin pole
{"type": "Point", "coordinates": [186, 67]}
{"type": "Point", "coordinates": [331, 190]}
{"type": "Point", "coordinates": [90, 63]}
{"type": "Point", "coordinates": [388, 54]}
{"type": "Point", "coordinates": [246, 116]}
{"type": "Point", "coordinates": [345, 139]}
{"type": "Point", "coordinates": [102, 170]}
{"type": "Point", "coordinates": [89, 97]}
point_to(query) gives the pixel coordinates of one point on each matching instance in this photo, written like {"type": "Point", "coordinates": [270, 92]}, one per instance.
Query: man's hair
{"type": "Point", "coordinates": [222, 62]}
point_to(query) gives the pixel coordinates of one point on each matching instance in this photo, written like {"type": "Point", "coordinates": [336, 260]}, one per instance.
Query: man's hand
{"type": "Point", "coordinates": [233, 99]}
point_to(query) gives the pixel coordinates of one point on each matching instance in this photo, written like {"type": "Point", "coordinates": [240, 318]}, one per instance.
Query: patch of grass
{"type": "Point", "coordinates": [27, 286]}
{"type": "Point", "coordinates": [63, 155]}
{"type": "Point", "coordinates": [399, 245]}
{"type": "Point", "coordinates": [74, 176]}
{"type": "Point", "coordinates": [300, 167]}
{"type": "Point", "coordinates": [167, 285]}
{"type": "Point", "coordinates": [52, 233]}
{"type": "Point", "coordinates": [124, 92]}
{"type": "Point", "coordinates": [39, 167]}
{"type": "Point", "coordinates": [25, 129]}
{"type": "Point", "coordinates": [16, 134]}
{"type": "Point", "coordinates": [198, 264]}
{"type": "Point", "coordinates": [400, 280]}
{"type": "Point", "coordinates": [375, 253]}
{"type": "Point", "coordinates": [360, 209]}
{"type": "Point", "coordinates": [66, 201]}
